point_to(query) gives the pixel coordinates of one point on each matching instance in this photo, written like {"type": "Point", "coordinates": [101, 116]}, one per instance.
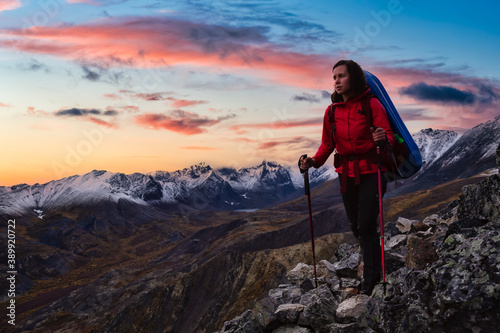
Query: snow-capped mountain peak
{"type": "Point", "coordinates": [434, 143]}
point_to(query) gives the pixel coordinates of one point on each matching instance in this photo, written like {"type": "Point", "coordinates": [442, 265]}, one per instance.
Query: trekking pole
{"type": "Point", "coordinates": [381, 209]}
{"type": "Point", "coordinates": [308, 193]}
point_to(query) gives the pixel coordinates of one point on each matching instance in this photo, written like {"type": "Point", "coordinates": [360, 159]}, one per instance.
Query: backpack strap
{"type": "Point", "coordinates": [367, 109]}
{"type": "Point", "coordinates": [331, 116]}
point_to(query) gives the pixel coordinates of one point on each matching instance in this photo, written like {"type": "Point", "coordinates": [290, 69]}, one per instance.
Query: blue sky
{"type": "Point", "coordinates": [139, 86]}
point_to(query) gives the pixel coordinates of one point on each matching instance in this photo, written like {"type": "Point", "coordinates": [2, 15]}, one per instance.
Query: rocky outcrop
{"type": "Point", "coordinates": [443, 275]}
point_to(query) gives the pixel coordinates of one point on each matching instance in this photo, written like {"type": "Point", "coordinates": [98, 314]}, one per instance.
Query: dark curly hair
{"type": "Point", "coordinates": [357, 79]}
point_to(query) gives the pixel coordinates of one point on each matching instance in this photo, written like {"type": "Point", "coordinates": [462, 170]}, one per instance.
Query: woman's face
{"type": "Point", "coordinates": [341, 81]}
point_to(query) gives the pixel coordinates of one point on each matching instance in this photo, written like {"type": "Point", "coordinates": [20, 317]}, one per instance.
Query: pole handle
{"type": "Point", "coordinates": [300, 160]}
{"type": "Point", "coordinates": [306, 176]}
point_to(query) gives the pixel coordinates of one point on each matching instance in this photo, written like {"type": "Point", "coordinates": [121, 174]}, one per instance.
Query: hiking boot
{"type": "Point", "coordinates": [372, 259]}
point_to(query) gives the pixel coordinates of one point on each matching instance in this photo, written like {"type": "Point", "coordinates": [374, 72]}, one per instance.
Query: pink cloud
{"type": "Point", "coordinates": [130, 108]}
{"type": "Point", "coordinates": [150, 96]}
{"type": "Point", "coordinates": [10, 4]}
{"type": "Point", "coordinates": [289, 144]}
{"type": "Point", "coordinates": [90, 2]}
{"type": "Point", "coordinates": [2, 105]}
{"type": "Point", "coordinates": [280, 124]}
{"type": "Point", "coordinates": [101, 122]}
{"type": "Point", "coordinates": [151, 42]}
{"type": "Point", "coordinates": [33, 112]}
{"type": "Point", "coordinates": [112, 96]}
{"type": "Point", "coordinates": [180, 103]}
{"type": "Point", "coordinates": [179, 121]}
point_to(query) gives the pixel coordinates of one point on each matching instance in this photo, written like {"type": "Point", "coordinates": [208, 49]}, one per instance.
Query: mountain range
{"type": "Point", "coordinates": [446, 155]}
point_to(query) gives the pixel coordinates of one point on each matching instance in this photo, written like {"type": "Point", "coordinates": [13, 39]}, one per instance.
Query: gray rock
{"type": "Point", "coordinates": [245, 323]}
{"type": "Point", "coordinates": [395, 242]}
{"type": "Point", "coordinates": [293, 329]}
{"type": "Point", "coordinates": [481, 200]}
{"type": "Point", "coordinates": [345, 250]}
{"type": "Point", "coordinates": [345, 267]}
{"type": "Point", "coordinates": [404, 225]}
{"type": "Point", "coordinates": [320, 307]}
{"type": "Point", "coordinates": [349, 328]}
{"type": "Point", "coordinates": [286, 293]}
{"type": "Point", "coordinates": [432, 220]}
{"type": "Point", "coordinates": [352, 308]}
{"type": "Point", "coordinates": [349, 283]}
{"type": "Point", "coordinates": [300, 273]}
{"type": "Point", "coordinates": [348, 266]}
{"type": "Point", "coordinates": [289, 313]}
{"type": "Point", "coordinates": [264, 311]}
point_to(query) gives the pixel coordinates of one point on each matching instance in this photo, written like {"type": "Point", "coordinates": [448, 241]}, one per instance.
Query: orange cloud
{"type": "Point", "coordinates": [199, 148]}
{"type": "Point", "coordinates": [2, 105]}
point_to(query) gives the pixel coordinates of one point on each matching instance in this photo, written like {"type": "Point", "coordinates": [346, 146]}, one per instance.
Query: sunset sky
{"type": "Point", "coordinates": [139, 86]}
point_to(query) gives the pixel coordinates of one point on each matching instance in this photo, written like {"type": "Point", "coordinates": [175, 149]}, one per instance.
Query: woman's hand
{"type": "Point", "coordinates": [306, 163]}
{"type": "Point", "coordinates": [378, 135]}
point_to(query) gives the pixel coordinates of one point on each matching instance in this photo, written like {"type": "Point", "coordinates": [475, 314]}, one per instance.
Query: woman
{"type": "Point", "coordinates": [354, 136]}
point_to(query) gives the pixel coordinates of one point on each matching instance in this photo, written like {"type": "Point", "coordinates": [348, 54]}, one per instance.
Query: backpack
{"type": "Point", "coordinates": [404, 159]}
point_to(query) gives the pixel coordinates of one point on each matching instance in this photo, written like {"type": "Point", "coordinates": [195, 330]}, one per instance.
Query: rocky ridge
{"type": "Point", "coordinates": [442, 274]}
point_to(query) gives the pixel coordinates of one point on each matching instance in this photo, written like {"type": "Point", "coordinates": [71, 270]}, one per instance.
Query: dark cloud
{"type": "Point", "coordinates": [100, 72]}
{"type": "Point", "coordinates": [110, 113]}
{"type": "Point", "coordinates": [326, 94]}
{"type": "Point", "coordinates": [90, 75]}
{"type": "Point", "coordinates": [440, 94]}
{"type": "Point", "coordinates": [77, 112]}
{"type": "Point", "coordinates": [311, 98]}
{"type": "Point", "coordinates": [416, 114]}
{"type": "Point", "coordinates": [306, 97]}
{"type": "Point", "coordinates": [487, 93]}
{"type": "Point", "coordinates": [34, 65]}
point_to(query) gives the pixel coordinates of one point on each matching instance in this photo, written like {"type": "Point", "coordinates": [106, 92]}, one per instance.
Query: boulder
{"type": "Point", "coordinates": [285, 293]}
{"type": "Point", "coordinates": [352, 308]}
{"type": "Point", "coordinates": [246, 322]}
{"type": "Point", "coordinates": [404, 225]}
{"type": "Point", "coordinates": [481, 200]}
{"type": "Point", "coordinates": [289, 313]}
{"type": "Point", "coordinates": [421, 253]}
{"type": "Point", "coordinates": [300, 273]}
{"type": "Point", "coordinates": [320, 307]}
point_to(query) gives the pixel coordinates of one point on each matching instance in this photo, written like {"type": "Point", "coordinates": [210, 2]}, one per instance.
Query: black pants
{"type": "Point", "coordinates": [362, 208]}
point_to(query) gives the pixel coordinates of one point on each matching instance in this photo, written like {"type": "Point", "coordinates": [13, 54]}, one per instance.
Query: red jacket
{"type": "Point", "coordinates": [352, 135]}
